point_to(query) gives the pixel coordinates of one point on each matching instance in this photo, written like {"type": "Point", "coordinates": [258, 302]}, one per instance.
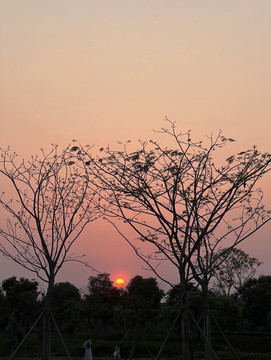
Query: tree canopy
{"type": "Point", "coordinates": [52, 205]}
{"type": "Point", "coordinates": [235, 269]}
{"type": "Point", "coordinates": [182, 202]}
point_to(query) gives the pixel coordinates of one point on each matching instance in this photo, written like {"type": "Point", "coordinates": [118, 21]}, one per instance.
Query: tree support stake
{"type": "Point", "coordinates": [18, 347]}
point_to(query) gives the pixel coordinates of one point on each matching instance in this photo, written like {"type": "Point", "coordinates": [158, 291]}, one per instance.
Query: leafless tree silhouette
{"type": "Point", "coordinates": [178, 201]}
{"type": "Point", "coordinates": [51, 206]}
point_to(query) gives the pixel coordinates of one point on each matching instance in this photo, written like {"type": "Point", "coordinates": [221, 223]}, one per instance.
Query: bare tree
{"type": "Point", "coordinates": [234, 211]}
{"type": "Point", "coordinates": [51, 206]}
{"type": "Point", "coordinates": [235, 269]}
{"type": "Point", "coordinates": [179, 202]}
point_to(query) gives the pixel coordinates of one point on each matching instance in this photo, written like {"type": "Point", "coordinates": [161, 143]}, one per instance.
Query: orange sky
{"type": "Point", "coordinates": [101, 71]}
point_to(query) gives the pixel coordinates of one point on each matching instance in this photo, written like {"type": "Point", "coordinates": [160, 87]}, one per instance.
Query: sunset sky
{"type": "Point", "coordinates": [100, 71]}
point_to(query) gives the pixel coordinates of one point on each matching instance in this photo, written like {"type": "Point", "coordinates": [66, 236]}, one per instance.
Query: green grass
{"type": "Point", "coordinates": [247, 346]}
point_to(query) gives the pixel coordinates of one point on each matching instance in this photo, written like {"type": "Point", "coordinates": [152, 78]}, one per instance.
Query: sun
{"type": "Point", "coordinates": [119, 283]}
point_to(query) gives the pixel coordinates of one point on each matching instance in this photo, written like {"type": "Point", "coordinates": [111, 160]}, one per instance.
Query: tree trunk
{"type": "Point", "coordinates": [132, 346]}
{"type": "Point", "coordinates": [186, 333]}
{"type": "Point", "coordinates": [46, 348]}
{"type": "Point", "coordinates": [186, 339]}
{"type": "Point", "coordinates": [206, 323]}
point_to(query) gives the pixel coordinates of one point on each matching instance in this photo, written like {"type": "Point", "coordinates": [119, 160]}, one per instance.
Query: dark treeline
{"type": "Point", "coordinates": [136, 317]}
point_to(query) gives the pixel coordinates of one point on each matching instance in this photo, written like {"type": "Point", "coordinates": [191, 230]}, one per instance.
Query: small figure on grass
{"type": "Point", "coordinates": [117, 353]}
{"type": "Point", "coordinates": [87, 346]}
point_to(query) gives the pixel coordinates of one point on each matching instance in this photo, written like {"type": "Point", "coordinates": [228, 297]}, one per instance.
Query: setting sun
{"type": "Point", "coordinates": [119, 283]}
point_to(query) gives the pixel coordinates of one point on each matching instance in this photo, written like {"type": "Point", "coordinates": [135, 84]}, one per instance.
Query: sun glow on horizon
{"type": "Point", "coordinates": [119, 283]}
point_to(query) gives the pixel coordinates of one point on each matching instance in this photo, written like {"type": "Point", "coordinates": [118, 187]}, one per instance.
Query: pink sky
{"type": "Point", "coordinates": [100, 71]}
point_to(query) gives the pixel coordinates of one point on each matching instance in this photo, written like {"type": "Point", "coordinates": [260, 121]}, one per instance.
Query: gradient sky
{"type": "Point", "coordinates": [100, 71]}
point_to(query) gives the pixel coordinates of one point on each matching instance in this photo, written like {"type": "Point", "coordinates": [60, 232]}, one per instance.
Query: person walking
{"type": "Point", "coordinates": [87, 346]}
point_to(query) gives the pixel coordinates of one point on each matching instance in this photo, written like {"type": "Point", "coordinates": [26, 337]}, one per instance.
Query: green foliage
{"type": "Point", "coordinates": [67, 306]}
{"type": "Point", "coordinates": [226, 312]}
{"type": "Point", "coordinates": [142, 302]}
{"type": "Point", "coordinates": [101, 288]}
{"type": "Point", "coordinates": [256, 296]}
{"type": "Point", "coordinates": [3, 310]}
{"type": "Point", "coordinates": [269, 320]}
{"type": "Point", "coordinates": [250, 342]}
{"type": "Point", "coordinates": [137, 318]}
{"type": "Point", "coordinates": [144, 291]}
{"type": "Point", "coordinates": [20, 304]}
{"type": "Point", "coordinates": [20, 293]}
{"type": "Point", "coordinates": [100, 301]}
